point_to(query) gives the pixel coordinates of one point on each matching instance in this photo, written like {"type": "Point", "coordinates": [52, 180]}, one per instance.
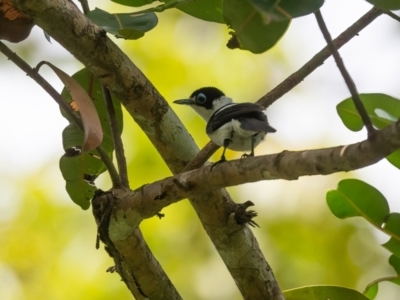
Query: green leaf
{"type": "Point", "coordinates": [323, 293]}
{"type": "Point", "coordinates": [382, 109]}
{"type": "Point", "coordinates": [394, 261]}
{"type": "Point", "coordinates": [250, 31]}
{"type": "Point", "coordinates": [275, 10]}
{"type": "Point", "coordinates": [80, 170]}
{"type": "Point", "coordinates": [207, 10]}
{"type": "Point", "coordinates": [394, 159]}
{"type": "Point", "coordinates": [371, 290]}
{"type": "Point", "coordinates": [129, 25]}
{"type": "Point", "coordinates": [356, 198]}
{"type": "Point", "coordinates": [393, 245]}
{"type": "Point", "coordinates": [79, 189]}
{"type": "Point", "coordinates": [133, 3]}
{"type": "Point", "coordinates": [386, 4]}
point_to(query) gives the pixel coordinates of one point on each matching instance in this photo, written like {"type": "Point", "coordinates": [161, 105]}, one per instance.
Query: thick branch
{"type": "Point", "coordinates": [149, 200]}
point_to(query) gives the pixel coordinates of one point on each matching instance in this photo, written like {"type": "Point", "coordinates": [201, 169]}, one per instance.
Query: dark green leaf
{"type": "Point", "coordinates": [208, 10]}
{"type": "Point", "coordinates": [356, 198]}
{"type": "Point", "coordinates": [275, 11]}
{"type": "Point", "coordinates": [80, 170]}
{"type": "Point", "coordinates": [394, 158]}
{"type": "Point", "coordinates": [80, 190]}
{"type": "Point", "coordinates": [133, 3]}
{"type": "Point", "coordinates": [250, 30]}
{"type": "Point", "coordinates": [392, 225]}
{"type": "Point", "coordinates": [371, 291]}
{"type": "Point", "coordinates": [124, 25]}
{"type": "Point", "coordinates": [386, 4]}
{"type": "Point", "coordinates": [394, 261]}
{"type": "Point", "coordinates": [393, 245]}
{"type": "Point", "coordinates": [323, 293]}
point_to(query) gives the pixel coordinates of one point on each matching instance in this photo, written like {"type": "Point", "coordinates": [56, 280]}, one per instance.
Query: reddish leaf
{"type": "Point", "coordinates": [90, 119]}
{"type": "Point", "coordinates": [14, 25]}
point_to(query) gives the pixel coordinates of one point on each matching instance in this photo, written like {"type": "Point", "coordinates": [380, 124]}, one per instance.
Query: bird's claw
{"type": "Point", "coordinates": [223, 159]}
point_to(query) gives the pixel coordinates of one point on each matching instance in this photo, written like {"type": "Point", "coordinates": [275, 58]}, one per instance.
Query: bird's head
{"type": "Point", "coordinates": [205, 101]}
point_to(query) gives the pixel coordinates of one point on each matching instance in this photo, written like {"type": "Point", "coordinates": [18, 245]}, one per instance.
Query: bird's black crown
{"type": "Point", "coordinates": [206, 95]}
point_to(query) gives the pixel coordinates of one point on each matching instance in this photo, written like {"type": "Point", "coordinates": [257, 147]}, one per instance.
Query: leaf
{"type": "Point", "coordinates": [392, 225]}
{"type": "Point", "coordinates": [133, 3]}
{"type": "Point", "coordinates": [394, 261]}
{"type": "Point", "coordinates": [323, 293]}
{"type": "Point", "coordinates": [81, 169]}
{"type": "Point", "coordinates": [80, 190]}
{"type": "Point", "coordinates": [382, 109]}
{"type": "Point", "coordinates": [356, 198]}
{"type": "Point", "coordinates": [386, 4]}
{"type": "Point", "coordinates": [207, 10]}
{"type": "Point", "coordinates": [14, 25]}
{"type": "Point", "coordinates": [372, 290]}
{"type": "Point", "coordinates": [250, 30]}
{"type": "Point", "coordinates": [93, 133]}
{"type": "Point", "coordinates": [275, 11]}
{"type": "Point", "coordinates": [393, 245]}
{"type": "Point", "coordinates": [128, 25]}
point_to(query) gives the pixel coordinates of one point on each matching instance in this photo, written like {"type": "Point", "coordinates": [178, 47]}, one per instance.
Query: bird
{"type": "Point", "coordinates": [235, 126]}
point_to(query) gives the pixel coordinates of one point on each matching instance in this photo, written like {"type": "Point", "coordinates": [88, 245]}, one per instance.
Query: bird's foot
{"type": "Point", "coordinates": [245, 155]}
{"type": "Point", "coordinates": [223, 159]}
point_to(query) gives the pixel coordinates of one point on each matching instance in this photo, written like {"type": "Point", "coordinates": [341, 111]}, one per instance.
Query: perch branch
{"type": "Point", "coordinates": [148, 201]}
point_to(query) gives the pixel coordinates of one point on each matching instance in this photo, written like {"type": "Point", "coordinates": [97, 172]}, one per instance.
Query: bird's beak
{"type": "Point", "coordinates": [185, 101]}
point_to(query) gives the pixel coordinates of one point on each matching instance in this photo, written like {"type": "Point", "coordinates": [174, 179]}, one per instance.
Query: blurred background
{"type": "Point", "coordinates": [47, 243]}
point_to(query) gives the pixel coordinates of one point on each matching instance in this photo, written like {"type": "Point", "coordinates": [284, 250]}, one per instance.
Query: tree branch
{"type": "Point", "coordinates": [153, 197]}
{"type": "Point", "coordinates": [345, 74]}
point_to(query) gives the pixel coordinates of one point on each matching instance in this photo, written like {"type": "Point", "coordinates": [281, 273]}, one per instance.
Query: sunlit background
{"type": "Point", "coordinates": [47, 243]}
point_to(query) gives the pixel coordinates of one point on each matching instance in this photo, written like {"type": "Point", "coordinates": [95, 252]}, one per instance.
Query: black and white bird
{"type": "Point", "coordinates": [236, 126]}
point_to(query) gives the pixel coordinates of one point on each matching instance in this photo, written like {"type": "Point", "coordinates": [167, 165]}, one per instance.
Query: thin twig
{"type": "Point", "coordinates": [294, 79]}
{"type": "Point", "coordinates": [85, 6]}
{"type": "Point", "coordinates": [345, 74]}
{"type": "Point", "coordinates": [202, 156]}
{"type": "Point", "coordinates": [318, 59]}
{"type": "Point", "coordinates": [116, 136]}
{"type": "Point", "coordinates": [60, 101]}
{"type": "Point", "coordinates": [392, 14]}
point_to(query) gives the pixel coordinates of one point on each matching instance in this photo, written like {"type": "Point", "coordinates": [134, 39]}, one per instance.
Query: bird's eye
{"type": "Point", "coordinates": [201, 98]}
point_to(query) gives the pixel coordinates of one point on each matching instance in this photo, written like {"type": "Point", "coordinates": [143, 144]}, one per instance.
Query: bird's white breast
{"type": "Point", "coordinates": [240, 139]}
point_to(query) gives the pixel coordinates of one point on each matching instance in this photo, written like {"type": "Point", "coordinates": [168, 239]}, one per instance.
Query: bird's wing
{"type": "Point", "coordinates": [250, 114]}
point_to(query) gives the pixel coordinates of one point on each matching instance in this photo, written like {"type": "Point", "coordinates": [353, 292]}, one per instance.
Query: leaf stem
{"type": "Point", "coordinates": [393, 15]}
{"type": "Point", "coordinates": [345, 74]}
{"type": "Point", "coordinates": [116, 136]}
{"type": "Point", "coordinates": [60, 101]}
{"type": "Point", "coordinates": [388, 278]}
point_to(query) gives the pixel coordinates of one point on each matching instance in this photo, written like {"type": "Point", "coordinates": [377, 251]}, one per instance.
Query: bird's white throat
{"type": "Point", "coordinates": [217, 104]}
